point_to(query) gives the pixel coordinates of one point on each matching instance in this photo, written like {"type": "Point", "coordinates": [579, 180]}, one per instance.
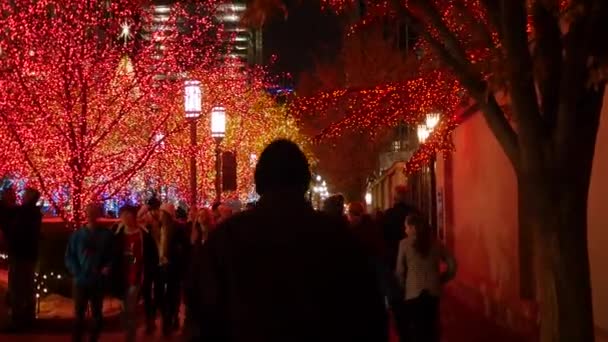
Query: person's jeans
{"type": "Point", "coordinates": [153, 292]}
{"type": "Point", "coordinates": [423, 316]}
{"type": "Point", "coordinates": [170, 298]}
{"type": "Point", "coordinates": [161, 292]}
{"type": "Point", "coordinates": [83, 295]}
{"type": "Point", "coordinates": [21, 288]}
{"type": "Point", "coordinates": [394, 294]}
{"type": "Point", "coordinates": [130, 312]}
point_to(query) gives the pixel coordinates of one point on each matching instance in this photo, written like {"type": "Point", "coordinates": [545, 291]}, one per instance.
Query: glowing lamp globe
{"type": "Point", "coordinates": [368, 198]}
{"type": "Point", "coordinates": [423, 133]}
{"type": "Point", "coordinates": [432, 119]}
{"type": "Point", "coordinates": [218, 122]}
{"type": "Point", "coordinates": [192, 99]}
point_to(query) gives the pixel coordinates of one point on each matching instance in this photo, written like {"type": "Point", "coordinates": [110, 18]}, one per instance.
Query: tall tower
{"type": "Point", "coordinates": [243, 45]}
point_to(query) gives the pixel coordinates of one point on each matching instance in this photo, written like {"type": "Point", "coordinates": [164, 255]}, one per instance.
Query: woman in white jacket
{"type": "Point", "coordinates": [418, 270]}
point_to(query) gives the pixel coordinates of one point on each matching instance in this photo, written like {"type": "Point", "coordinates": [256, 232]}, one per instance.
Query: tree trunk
{"type": "Point", "coordinates": [77, 218]}
{"type": "Point", "coordinates": [556, 214]}
{"type": "Point", "coordinates": [526, 243]}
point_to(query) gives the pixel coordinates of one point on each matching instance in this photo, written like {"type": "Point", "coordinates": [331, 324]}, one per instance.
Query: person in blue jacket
{"type": "Point", "coordinates": [88, 258]}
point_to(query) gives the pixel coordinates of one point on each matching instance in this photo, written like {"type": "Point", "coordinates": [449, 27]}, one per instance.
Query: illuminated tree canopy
{"type": "Point", "coordinates": [254, 119]}
{"type": "Point", "coordinates": [84, 88]}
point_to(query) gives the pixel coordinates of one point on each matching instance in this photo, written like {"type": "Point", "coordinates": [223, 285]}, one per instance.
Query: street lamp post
{"type": "Point", "coordinates": [159, 138]}
{"type": "Point", "coordinates": [424, 131]}
{"type": "Point", "coordinates": [192, 109]}
{"type": "Point", "coordinates": [218, 131]}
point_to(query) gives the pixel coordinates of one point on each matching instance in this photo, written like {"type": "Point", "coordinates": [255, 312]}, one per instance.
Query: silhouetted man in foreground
{"type": "Point", "coordinates": [283, 272]}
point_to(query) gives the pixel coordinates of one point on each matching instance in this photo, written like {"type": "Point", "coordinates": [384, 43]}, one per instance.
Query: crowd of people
{"type": "Point", "coordinates": [277, 271]}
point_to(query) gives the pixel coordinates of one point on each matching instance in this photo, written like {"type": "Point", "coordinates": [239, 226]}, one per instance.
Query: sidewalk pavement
{"type": "Point", "coordinates": [459, 324]}
{"type": "Point", "coordinates": [463, 324]}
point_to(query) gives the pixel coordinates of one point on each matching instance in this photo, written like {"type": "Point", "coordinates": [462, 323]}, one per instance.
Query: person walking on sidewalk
{"type": "Point", "coordinates": [164, 282]}
{"type": "Point", "coordinates": [23, 234]}
{"type": "Point", "coordinates": [88, 258]}
{"type": "Point", "coordinates": [283, 271]}
{"type": "Point", "coordinates": [392, 229]}
{"type": "Point", "coordinates": [418, 269]}
{"type": "Point", "coordinates": [199, 234]}
{"type": "Point", "coordinates": [134, 256]}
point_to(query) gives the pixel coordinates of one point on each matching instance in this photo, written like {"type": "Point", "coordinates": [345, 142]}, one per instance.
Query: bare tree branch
{"type": "Point", "coordinates": [31, 164]}
{"type": "Point", "coordinates": [478, 26]}
{"type": "Point", "coordinates": [548, 59]}
{"type": "Point", "coordinates": [521, 77]}
{"type": "Point", "coordinates": [494, 13]}
{"type": "Point", "coordinates": [450, 41]}
{"type": "Point", "coordinates": [578, 46]}
{"type": "Point", "coordinates": [476, 86]}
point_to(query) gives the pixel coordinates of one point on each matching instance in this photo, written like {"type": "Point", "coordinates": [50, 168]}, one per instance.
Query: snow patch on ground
{"type": "Point", "coordinates": [58, 307]}
{"type": "Point", "coordinates": [55, 306]}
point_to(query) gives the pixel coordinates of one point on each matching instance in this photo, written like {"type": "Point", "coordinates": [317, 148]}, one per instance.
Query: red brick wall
{"type": "Point", "coordinates": [482, 221]}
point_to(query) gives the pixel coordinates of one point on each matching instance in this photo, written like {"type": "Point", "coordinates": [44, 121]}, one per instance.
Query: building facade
{"type": "Point", "coordinates": [242, 45]}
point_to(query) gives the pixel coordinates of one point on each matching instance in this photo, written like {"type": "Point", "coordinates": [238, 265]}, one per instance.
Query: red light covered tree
{"type": "Point", "coordinates": [544, 59]}
{"type": "Point", "coordinates": [84, 88]}
{"type": "Point", "coordinates": [351, 103]}
{"type": "Point", "coordinates": [254, 119]}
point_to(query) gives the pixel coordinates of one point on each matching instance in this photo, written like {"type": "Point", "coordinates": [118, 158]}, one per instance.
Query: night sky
{"type": "Point", "coordinates": [308, 33]}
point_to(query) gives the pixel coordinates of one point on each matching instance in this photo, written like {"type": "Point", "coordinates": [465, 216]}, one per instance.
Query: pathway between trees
{"type": "Point", "coordinates": [459, 325]}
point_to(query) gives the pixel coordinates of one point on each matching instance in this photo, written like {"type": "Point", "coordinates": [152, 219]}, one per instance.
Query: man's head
{"type": "Point", "coordinates": [282, 167]}
{"type": "Point", "coordinates": [400, 194]}
{"type": "Point", "coordinates": [9, 197]}
{"type": "Point", "coordinates": [128, 215]}
{"type": "Point", "coordinates": [31, 196]}
{"type": "Point", "coordinates": [153, 205]}
{"type": "Point", "coordinates": [356, 210]}
{"type": "Point", "coordinates": [93, 212]}
{"type": "Point", "coordinates": [224, 213]}
{"type": "Point", "coordinates": [334, 205]}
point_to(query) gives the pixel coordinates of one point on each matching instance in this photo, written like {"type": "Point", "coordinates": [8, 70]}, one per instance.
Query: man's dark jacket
{"type": "Point", "coordinates": [393, 226]}
{"type": "Point", "coordinates": [23, 234]}
{"type": "Point", "coordinates": [283, 272]}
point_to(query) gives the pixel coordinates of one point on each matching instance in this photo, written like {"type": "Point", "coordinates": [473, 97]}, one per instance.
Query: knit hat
{"type": "Point", "coordinates": [168, 208]}
{"type": "Point", "coordinates": [153, 203]}
{"type": "Point", "coordinates": [282, 166]}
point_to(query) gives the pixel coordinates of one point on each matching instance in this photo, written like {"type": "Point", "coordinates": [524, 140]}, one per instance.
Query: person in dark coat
{"type": "Point", "coordinates": [8, 210]}
{"type": "Point", "coordinates": [88, 258]}
{"type": "Point", "coordinates": [393, 227]}
{"type": "Point", "coordinates": [23, 235]}
{"type": "Point", "coordinates": [334, 206]}
{"type": "Point", "coordinates": [200, 228]}
{"type": "Point", "coordinates": [393, 224]}
{"type": "Point", "coordinates": [135, 259]}
{"type": "Point", "coordinates": [366, 231]}
{"type": "Point", "coordinates": [282, 271]}
{"type": "Point", "coordinates": [162, 287]}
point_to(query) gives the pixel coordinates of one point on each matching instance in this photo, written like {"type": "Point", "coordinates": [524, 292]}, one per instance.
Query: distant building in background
{"type": "Point", "coordinates": [242, 45]}
{"type": "Point", "coordinates": [403, 36]}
